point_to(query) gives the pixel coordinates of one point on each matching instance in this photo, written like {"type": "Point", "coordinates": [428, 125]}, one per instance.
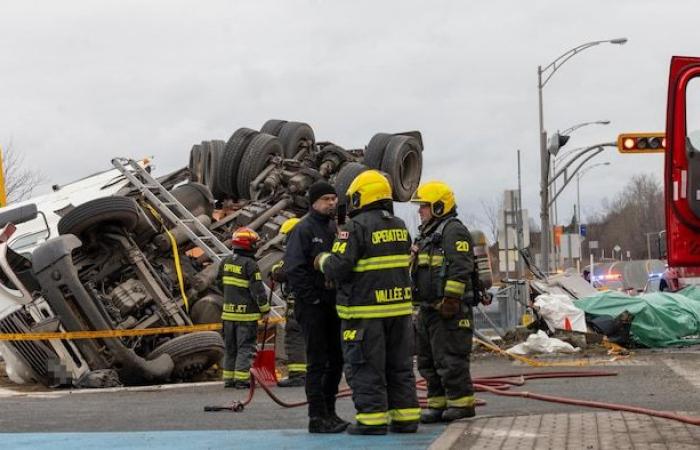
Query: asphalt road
{"type": "Point", "coordinates": [659, 380]}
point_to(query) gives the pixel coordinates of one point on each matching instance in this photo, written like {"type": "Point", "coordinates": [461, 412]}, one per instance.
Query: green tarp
{"type": "Point", "coordinates": [660, 319]}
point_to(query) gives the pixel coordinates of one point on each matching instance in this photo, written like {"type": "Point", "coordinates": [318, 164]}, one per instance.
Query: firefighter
{"type": "Point", "coordinates": [369, 265]}
{"type": "Point", "coordinates": [443, 270]}
{"type": "Point", "coordinates": [293, 337]}
{"type": "Point", "coordinates": [245, 303]}
{"type": "Point", "coordinates": [314, 308]}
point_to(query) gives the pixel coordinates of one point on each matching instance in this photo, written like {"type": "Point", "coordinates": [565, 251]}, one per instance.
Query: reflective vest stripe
{"type": "Point", "coordinates": [374, 311]}
{"type": "Point", "coordinates": [235, 281]}
{"type": "Point", "coordinates": [425, 260]}
{"type": "Point", "coordinates": [454, 288]}
{"type": "Point", "coordinates": [240, 317]}
{"type": "Point", "coordinates": [381, 263]}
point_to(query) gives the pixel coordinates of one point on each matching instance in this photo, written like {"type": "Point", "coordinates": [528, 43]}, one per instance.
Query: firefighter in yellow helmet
{"type": "Point", "coordinates": [443, 270]}
{"type": "Point", "coordinates": [369, 265]}
{"type": "Point", "coordinates": [293, 336]}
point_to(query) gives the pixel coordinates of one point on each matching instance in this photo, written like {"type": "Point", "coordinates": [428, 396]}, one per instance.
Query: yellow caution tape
{"type": "Point", "coordinates": [119, 333]}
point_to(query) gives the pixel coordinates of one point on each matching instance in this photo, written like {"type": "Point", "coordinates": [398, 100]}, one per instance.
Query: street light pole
{"type": "Point", "coordinates": [544, 155]}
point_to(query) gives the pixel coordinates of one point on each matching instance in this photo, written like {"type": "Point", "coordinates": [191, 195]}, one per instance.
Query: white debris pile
{"type": "Point", "coordinates": [559, 312]}
{"type": "Point", "coordinates": [541, 343]}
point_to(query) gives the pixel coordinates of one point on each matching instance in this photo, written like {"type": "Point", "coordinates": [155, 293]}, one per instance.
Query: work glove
{"type": "Point", "coordinates": [448, 307]}
{"type": "Point", "coordinates": [486, 298]}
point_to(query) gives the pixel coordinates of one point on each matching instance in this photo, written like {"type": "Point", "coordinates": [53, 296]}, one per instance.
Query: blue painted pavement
{"type": "Point", "coordinates": [217, 439]}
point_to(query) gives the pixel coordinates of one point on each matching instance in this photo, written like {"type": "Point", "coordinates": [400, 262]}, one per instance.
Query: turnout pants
{"type": "Point", "coordinates": [379, 369]}
{"type": "Point", "coordinates": [294, 344]}
{"type": "Point", "coordinates": [321, 327]}
{"type": "Point", "coordinates": [444, 348]}
{"type": "Point", "coordinates": [240, 340]}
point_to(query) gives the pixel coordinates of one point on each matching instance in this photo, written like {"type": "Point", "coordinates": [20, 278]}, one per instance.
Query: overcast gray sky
{"type": "Point", "coordinates": [83, 81]}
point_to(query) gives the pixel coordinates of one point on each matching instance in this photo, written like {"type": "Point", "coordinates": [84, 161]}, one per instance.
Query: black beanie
{"type": "Point", "coordinates": [319, 189]}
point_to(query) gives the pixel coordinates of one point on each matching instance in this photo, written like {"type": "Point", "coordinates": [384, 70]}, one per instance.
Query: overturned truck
{"type": "Point", "coordinates": [102, 256]}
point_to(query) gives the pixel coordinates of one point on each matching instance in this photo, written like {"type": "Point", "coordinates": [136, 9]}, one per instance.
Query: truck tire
{"type": "Point", "coordinates": [403, 163]}
{"type": "Point", "coordinates": [207, 309]}
{"type": "Point", "coordinates": [273, 127]}
{"type": "Point", "coordinates": [195, 162]}
{"type": "Point", "coordinates": [294, 136]}
{"type": "Point", "coordinates": [121, 211]}
{"type": "Point", "coordinates": [374, 153]}
{"type": "Point", "coordinates": [216, 151]}
{"type": "Point", "coordinates": [196, 197]}
{"type": "Point", "coordinates": [191, 353]}
{"type": "Point", "coordinates": [231, 160]}
{"type": "Point", "coordinates": [255, 159]}
{"type": "Point", "coordinates": [345, 176]}
{"type": "Point", "coordinates": [204, 157]}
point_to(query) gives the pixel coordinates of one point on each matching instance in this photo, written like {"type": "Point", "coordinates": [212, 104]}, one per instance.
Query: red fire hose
{"type": "Point", "coordinates": [498, 385]}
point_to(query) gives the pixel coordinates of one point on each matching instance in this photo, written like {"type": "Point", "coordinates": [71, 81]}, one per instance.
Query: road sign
{"type": "Point", "coordinates": [584, 230]}
{"type": "Point", "coordinates": [617, 248]}
{"type": "Point", "coordinates": [593, 245]}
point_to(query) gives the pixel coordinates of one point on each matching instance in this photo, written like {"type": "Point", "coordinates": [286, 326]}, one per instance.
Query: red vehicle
{"type": "Point", "coordinates": [682, 169]}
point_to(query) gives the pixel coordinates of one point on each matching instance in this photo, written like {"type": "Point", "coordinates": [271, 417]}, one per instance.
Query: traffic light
{"type": "Point", "coordinates": [641, 143]}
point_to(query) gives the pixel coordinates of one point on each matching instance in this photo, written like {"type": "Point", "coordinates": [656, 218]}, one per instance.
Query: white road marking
{"type": "Point", "coordinates": [690, 374]}
{"type": "Point", "coordinates": [57, 393]}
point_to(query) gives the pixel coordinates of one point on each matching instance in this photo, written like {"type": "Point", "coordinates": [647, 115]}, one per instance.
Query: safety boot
{"type": "Point", "coordinates": [431, 415]}
{"type": "Point", "coordinates": [241, 384]}
{"type": "Point", "coordinates": [374, 430]}
{"type": "Point", "coordinates": [229, 383]}
{"type": "Point", "coordinates": [451, 414]}
{"type": "Point", "coordinates": [403, 427]}
{"type": "Point", "coordinates": [292, 382]}
{"type": "Point", "coordinates": [324, 425]}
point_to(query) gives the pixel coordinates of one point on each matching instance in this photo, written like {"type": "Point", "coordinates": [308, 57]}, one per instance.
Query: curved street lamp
{"type": "Point", "coordinates": [543, 76]}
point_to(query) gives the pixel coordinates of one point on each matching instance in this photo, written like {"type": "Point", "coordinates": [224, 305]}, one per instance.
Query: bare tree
{"type": "Point", "coordinates": [490, 217]}
{"type": "Point", "coordinates": [19, 180]}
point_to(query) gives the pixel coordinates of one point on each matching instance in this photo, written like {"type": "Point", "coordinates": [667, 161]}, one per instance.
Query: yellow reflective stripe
{"type": "Point", "coordinates": [424, 260]}
{"type": "Point", "coordinates": [371, 418]}
{"type": "Point", "coordinates": [381, 263]}
{"type": "Point", "coordinates": [235, 281]}
{"type": "Point", "coordinates": [264, 308]}
{"type": "Point", "coordinates": [437, 402]}
{"type": "Point", "coordinates": [462, 402]}
{"type": "Point", "coordinates": [257, 276]}
{"type": "Point", "coordinates": [241, 375]}
{"type": "Point", "coordinates": [405, 415]}
{"type": "Point", "coordinates": [322, 260]}
{"type": "Point", "coordinates": [228, 374]}
{"type": "Point", "coordinates": [239, 317]}
{"type": "Point", "coordinates": [296, 367]}
{"type": "Point", "coordinates": [455, 287]}
{"type": "Point", "coordinates": [374, 311]}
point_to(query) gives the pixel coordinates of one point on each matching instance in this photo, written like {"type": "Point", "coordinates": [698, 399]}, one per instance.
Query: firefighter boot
{"type": "Point", "coordinates": [403, 427]}
{"type": "Point", "coordinates": [431, 415]}
{"type": "Point", "coordinates": [451, 414]}
{"type": "Point", "coordinates": [294, 381]}
{"type": "Point", "coordinates": [333, 417]}
{"type": "Point", "coordinates": [375, 430]}
{"type": "Point", "coordinates": [229, 383]}
{"type": "Point", "coordinates": [324, 425]}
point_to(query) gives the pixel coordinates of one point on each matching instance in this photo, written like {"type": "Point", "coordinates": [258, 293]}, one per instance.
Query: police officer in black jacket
{"type": "Point", "coordinates": [369, 263]}
{"type": "Point", "coordinates": [315, 308]}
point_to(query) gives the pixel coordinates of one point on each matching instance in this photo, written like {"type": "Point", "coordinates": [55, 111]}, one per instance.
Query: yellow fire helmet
{"type": "Point", "coordinates": [368, 187]}
{"type": "Point", "coordinates": [288, 225]}
{"type": "Point", "coordinates": [438, 195]}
